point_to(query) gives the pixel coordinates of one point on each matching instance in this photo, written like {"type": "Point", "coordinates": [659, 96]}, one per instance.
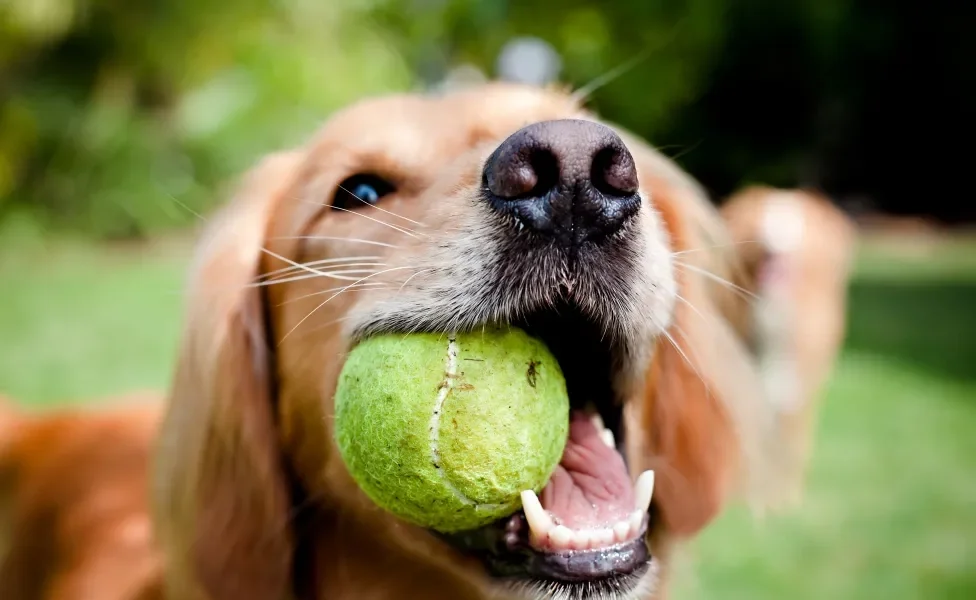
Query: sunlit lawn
{"type": "Point", "coordinates": [78, 322]}
{"type": "Point", "coordinates": [891, 511]}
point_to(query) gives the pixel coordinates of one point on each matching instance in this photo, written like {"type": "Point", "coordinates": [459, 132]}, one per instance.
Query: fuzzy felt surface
{"type": "Point", "coordinates": [445, 430]}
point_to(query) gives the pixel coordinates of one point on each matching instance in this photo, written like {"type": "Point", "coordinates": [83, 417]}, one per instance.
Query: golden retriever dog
{"type": "Point", "coordinates": [797, 249]}
{"type": "Point", "coordinates": [74, 519]}
{"type": "Point", "coordinates": [500, 205]}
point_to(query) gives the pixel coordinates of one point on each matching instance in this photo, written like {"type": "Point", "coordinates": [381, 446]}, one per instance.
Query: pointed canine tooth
{"type": "Point", "coordinates": [540, 523]}
{"type": "Point", "coordinates": [603, 537]}
{"type": "Point", "coordinates": [643, 491]}
{"type": "Point", "coordinates": [561, 536]}
{"type": "Point", "coordinates": [636, 520]}
{"type": "Point", "coordinates": [621, 531]}
{"type": "Point", "coordinates": [607, 436]}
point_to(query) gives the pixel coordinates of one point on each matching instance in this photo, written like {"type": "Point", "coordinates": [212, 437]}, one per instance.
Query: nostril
{"type": "Point", "coordinates": [524, 172]}
{"type": "Point", "coordinates": [613, 172]}
{"type": "Point", "coordinates": [546, 167]}
{"type": "Point", "coordinates": [511, 180]}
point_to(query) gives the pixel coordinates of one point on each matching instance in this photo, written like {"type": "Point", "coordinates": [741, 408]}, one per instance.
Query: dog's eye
{"type": "Point", "coordinates": [361, 190]}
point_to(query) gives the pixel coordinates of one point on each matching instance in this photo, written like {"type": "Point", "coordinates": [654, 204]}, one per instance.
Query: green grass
{"type": "Point", "coordinates": [891, 508]}
{"type": "Point", "coordinates": [77, 322]}
{"type": "Point", "coordinates": [891, 505]}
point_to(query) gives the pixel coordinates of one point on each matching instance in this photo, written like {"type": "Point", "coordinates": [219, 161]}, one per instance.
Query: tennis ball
{"type": "Point", "coordinates": [445, 430]}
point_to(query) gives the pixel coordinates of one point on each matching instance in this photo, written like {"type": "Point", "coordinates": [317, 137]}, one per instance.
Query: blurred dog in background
{"type": "Point", "coordinates": [797, 248]}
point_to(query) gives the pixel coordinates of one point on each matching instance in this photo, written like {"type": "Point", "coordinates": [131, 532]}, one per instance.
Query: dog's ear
{"type": "Point", "coordinates": [221, 494]}
{"type": "Point", "coordinates": [702, 420]}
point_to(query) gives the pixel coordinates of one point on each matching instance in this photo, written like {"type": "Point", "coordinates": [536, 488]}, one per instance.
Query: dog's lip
{"type": "Point", "coordinates": [588, 566]}
{"type": "Point", "coordinates": [504, 549]}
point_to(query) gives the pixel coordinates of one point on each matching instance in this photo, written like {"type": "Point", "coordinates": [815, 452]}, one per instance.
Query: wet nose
{"type": "Point", "coordinates": [572, 180]}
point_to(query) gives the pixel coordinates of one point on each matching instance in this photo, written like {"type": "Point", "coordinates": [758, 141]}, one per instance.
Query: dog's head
{"type": "Point", "coordinates": [498, 205]}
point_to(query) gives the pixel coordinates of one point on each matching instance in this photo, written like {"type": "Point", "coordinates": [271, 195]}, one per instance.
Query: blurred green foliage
{"type": "Point", "coordinates": [735, 89]}
{"type": "Point", "coordinates": [118, 118]}
{"type": "Point", "coordinates": [677, 40]}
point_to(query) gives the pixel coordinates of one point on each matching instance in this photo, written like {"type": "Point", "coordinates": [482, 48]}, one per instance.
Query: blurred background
{"type": "Point", "coordinates": [122, 122]}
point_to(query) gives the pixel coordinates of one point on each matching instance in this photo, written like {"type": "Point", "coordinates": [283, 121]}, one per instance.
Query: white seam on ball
{"type": "Point", "coordinates": [450, 373]}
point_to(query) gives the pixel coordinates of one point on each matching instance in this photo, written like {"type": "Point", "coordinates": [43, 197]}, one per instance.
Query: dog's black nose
{"type": "Point", "coordinates": [573, 180]}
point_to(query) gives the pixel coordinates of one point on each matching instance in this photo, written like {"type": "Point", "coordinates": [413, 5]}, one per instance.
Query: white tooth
{"type": "Point", "coordinates": [621, 531]}
{"type": "Point", "coordinates": [561, 536]}
{"type": "Point", "coordinates": [597, 421]}
{"type": "Point", "coordinates": [607, 436]}
{"type": "Point", "coordinates": [636, 520]}
{"type": "Point", "coordinates": [539, 520]}
{"type": "Point", "coordinates": [643, 490]}
{"type": "Point", "coordinates": [582, 539]}
{"type": "Point", "coordinates": [603, 537]}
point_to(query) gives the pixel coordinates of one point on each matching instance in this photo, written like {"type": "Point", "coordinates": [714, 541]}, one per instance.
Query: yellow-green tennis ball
{"type": "Point", "coordinates": [446, 430]}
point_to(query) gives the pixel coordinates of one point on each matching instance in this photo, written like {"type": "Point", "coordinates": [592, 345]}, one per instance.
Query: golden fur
{"type": "Point", "coordinates": [249, 498]}
{"type": "Point", "coordinates": [74, 523]}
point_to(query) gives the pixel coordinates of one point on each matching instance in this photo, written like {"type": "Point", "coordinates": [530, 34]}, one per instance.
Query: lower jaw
{"type": "Point", "coordinates": [621, 573]}
{"type": "Point", "coordinates": [576, 566]}
{"type": "Point", "coordinates": [509, 557]}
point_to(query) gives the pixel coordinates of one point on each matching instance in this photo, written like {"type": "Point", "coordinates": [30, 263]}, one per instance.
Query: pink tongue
{"type": "Point", "coordinates": [591, 487]}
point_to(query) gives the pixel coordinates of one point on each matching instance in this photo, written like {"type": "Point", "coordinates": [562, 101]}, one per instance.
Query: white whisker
{"type": "Point", "coordinates": [586, 90]}
{"type": "Point", "coordinates": [322, 326]}
{"type": "Point", "coordinates": [333, 296]}
{"type": "Point", "coordinates": [691, 306]}
{"type": "Point", "coordinates": [717, 279]}
{"type": "Point", "coordinates": [300, 266]}
{"type": "Point", "coordinates": [333, 238]}
{"type": "Point", "coordinates": [315, 263]}
{"type": "Point", "coordinates": [407, 280]}
{"type": "Point", "coordinates": [333, 268]}
{"type": "Point", "coordinates": [308, 272]}
{"type": "Point", "coordinates": [402, 230]}
{"type": "Point", "coordinates": [341, 275]}
{"type": "Point", "coordinates": [684, 356]}
{"type": "Point", "coordinates": [370, 285]}
{"type": "Point", "coordinates": [295, 265]}
{"type": "Point", "coordinates": [186, 207]}
{"type": "Point", "coordinates": [381, 209]}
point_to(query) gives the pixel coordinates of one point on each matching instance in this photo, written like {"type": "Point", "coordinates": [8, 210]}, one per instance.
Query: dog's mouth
{"type": "Point", "coordinates": [588, 526]}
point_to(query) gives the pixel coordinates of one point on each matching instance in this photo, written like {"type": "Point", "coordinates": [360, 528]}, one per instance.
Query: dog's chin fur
{"type": "Point", "coordinates": [250, 498]}
{"type": "Point", "coordinates": [626, 587]}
